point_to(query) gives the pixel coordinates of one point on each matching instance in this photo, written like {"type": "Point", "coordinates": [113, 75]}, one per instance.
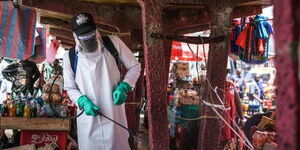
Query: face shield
{"type": "Point", "coordinates": [89, 42]}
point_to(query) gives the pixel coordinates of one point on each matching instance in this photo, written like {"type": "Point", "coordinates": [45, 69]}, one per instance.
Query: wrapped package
{"type": "Point", "coordinates": [259, 139]}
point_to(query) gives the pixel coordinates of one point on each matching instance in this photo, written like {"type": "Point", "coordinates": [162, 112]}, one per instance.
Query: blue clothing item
{"type": "Point", "coordinates": [269, 28]}
{"type": "Point", "coordinates": [254, 89]}
{"type": "Point", "coordinates": [241, 83]}
{"type": "Point", "coordinates": [257, 89]}
{"type": "Point", "coordinates": [261, 89]}
{"type": "Point", "coordinates": [240, 80]}
{"type": "Point", "coordinates": [262, 31]}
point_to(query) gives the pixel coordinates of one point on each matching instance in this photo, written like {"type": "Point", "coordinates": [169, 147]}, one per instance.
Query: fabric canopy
{"type": "Point", "coordinates": [17, 31]}
{"type": "Point", "coordinates": [51, 51]}
{"type": "Point", "coordinates": [40, 46]}
{"type": "Point", "coordinates": [182, 52]}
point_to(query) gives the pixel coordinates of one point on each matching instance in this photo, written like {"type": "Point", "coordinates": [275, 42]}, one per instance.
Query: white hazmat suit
{"type": "Point", "coordinates": [97, 76]}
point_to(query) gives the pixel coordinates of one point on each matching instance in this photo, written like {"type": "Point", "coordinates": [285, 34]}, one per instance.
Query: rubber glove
{"type": "Point", "coordinates": [87, 105]}
{"type": "Point", "coordinates": [120, 94]}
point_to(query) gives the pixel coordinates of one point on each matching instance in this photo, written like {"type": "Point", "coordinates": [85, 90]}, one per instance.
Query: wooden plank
{"type": "Point", "coordinates": [22, 123]}
{"type": "Point", "coordinates": [61, 33]}
{"type": "Point", "coordinates": [23, 147]}
{"type": "Point", "coordinates": [67, 41]}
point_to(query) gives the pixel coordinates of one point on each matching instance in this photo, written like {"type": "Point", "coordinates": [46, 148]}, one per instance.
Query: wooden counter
{"type": "Point", "coordinates": [47, 124]}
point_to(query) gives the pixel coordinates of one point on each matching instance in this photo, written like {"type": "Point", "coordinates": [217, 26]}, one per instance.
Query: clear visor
{"type": "Point", "coordinates": [89, 42]}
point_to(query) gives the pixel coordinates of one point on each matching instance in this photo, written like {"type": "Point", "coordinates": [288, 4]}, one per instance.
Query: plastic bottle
{"type": "Point", "coordinates": [43, 112]}
{"type": "Point", "coordinates": [33, 110]}
{"type": "Point", "coordinates": [11, 109]}
{"type": "Point", "coordinates": [26, 110]}
{"type": "Point", "coordinates": [19, 109]}
{"type": "Point", "coordinates": [4, 109]}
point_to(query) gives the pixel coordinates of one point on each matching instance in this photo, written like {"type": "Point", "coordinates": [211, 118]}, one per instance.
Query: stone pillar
{"type": "Point", "coordinates": [210, 129]}
{"type": "Point", "coordinates": [155, 74]}
{"type": "Point", "coordinates": [287, 48]}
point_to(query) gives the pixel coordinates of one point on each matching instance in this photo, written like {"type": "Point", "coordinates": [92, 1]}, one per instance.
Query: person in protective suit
{"type": "Point", "coordinates": [94, 85]}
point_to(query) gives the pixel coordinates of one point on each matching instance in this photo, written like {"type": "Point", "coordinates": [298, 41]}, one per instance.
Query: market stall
{"type": "Point", "coordinates": [31, 106]}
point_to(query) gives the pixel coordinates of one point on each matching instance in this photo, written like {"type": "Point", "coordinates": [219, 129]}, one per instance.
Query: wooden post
{"type": "Point", "coordinates": [287, 48]}
{"type": "Point", "coordinates": [210, 129]}
{"type": "Point", "coordinates": [155, 74]}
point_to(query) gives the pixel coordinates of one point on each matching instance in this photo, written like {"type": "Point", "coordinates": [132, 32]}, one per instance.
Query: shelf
{"type": "Point", "coordinates": [47, 124]}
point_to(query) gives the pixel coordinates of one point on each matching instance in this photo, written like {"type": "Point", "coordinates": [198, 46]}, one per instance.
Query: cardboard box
{"type": "Point", "coordinates": [195, 100]}
{"type": "Point", "coordinates": [182, 65]}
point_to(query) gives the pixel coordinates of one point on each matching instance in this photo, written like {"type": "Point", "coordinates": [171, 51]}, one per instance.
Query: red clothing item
{"type": "Point", "coordinates": [226, 133]}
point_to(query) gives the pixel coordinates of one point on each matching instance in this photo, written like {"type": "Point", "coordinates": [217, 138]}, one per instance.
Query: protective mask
{"type": "Point", "coordinates": [89, 42]}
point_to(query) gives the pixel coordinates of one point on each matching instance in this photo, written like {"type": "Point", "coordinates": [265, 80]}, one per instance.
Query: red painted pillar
{"type": "Point", "coordinates": [287, 39]}
{"type": "Point", "coordinates": [210, 129]}
{"type": "Point", "coordinates": [155, 74]}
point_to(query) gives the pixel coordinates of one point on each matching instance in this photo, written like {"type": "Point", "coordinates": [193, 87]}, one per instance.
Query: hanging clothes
{"type": "Point", "coordinates": [226, 133]}
{"type": "Point", "coordinates": [40, 46]}
{"type": "Point", "coordinates": [235, 32]}
{"type": "Point", "coordinates": [51, 51]}
{"type": "Point", "coordinates": [253, 40]}
{"type": "Point", "coordinates": [245, 41]}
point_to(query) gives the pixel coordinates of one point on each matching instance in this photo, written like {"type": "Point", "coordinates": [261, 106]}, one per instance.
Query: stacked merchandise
{"type": "Point", "coordinates": [184, 93]}
{"type": "Point", "coordinates": [20, 105]}
{"type": "Point", "coordinates": [251, 43]}
{"type": "Point", "coordinates": [184, 108]}
{"type": "Point", "coordinates": [24, 100]}
{"type": "Point", "coordinates": [264, 137]}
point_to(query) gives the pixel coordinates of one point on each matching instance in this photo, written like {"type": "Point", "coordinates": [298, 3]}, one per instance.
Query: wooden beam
{"type": "Point", "coordinates": [256, 2]}
{"type": "Point", "coordinates": [64, 40]}
{"type": "Point", "coordinates": [134, 3]}
{"type": "Point", "coordinates": [56, 23]}
{"type": "Point", "coordinates": [174, 19]}
{"type": "Point", "coordinates": [122, 2]}
{"type": "Point", "coordinates": [188, 39]}
{"type": "Point", "coordinates": [192, 29]}
{"type": "Point", "coordinates": [127, 18]}
{"type": "Point", "coordinates": [66, 45]}
{"type": "Point", "coordinates": [61, 33]}
{"type": "Point", "coordinates": [66, 24]}
{"type": "Point", "coordinates": [179, 3]}
{"type": "Point", "coordinates": [240, 11]}
{"type": "Point", "coordinates": [124, 17]}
